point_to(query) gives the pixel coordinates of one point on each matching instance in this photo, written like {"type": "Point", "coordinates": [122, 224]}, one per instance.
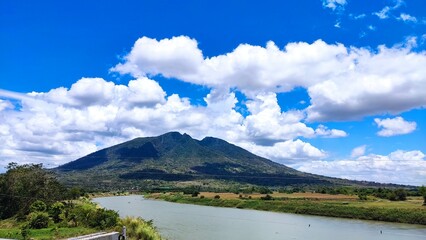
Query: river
{"type": "Point", "coordinates": [191, 222]}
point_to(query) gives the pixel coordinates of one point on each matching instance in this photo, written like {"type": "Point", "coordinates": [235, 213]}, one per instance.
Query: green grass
{"type": "Point", "coordinates": [46, 233]}
{"type": "Point", "coordinates": [137, 228]}
{"type": "Point", "coordinates": [356, 210]}
{"type": "Point", "coordinates": [410, 203]}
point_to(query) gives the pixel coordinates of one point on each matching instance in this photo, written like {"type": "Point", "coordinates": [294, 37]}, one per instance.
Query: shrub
{"type": "Point", "coordinates": [102, 218]}
{"type": "Point", "coordinates": [264, 190]}
{"type": "Point", "coordinates": [137, 228]}
{"type": "Point", "coordinates": [267, 197]}
{"type": "Point", "coordinates": [362, 196]}
{"type": "Point", "coordinates": [56, 211]}
{"type": "Point", "coordinates": [401, 194]}
{"type": "Point", "coordinates": [88, 215]}
{"type": "Point", "coordinates": [25, 232]}
{"type": "Point", "coordinates": [37, 220]}
{"type": "Point", "coordinates": [38, 206]}
{"type": "Point", "coordinates": [392, 196]}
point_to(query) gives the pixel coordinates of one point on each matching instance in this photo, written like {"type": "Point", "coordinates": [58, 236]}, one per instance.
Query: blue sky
{"type": "Point", "coordinates": [333, 87]}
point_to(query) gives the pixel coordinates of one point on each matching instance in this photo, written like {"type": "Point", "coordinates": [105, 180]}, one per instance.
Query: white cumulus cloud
{"type": "Point", "coordinates": [407, 18]}
{"type": "Point", "coordinates": [343, 82]}
{"type": "Point", "coordinates": [287, 152]}
{"type": "Point", "coordinates": [364, 87]}
{"type": "Point", "coordinates": [334, 4]}
{"type": "Point", "coordinates": [64, 124]}
{"type": "Point", "coordinates": [358, 151]}
{"type": "Point", "coordinates": [5, 104]}
{"type": "Point", "coordinates": [178, 56]}
{"type": "Point", "coordinates": [386, 11]}
{"type": "Point", "coordinates": [394, 126]}
{"type": "Point", "coordinates": [410, 166]}
{"type": "Point", "coordinates": [330, 133]}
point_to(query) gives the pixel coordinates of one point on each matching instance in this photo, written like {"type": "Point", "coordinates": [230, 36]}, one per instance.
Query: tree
{"type": "Point", "coordinates": [422, 191]}
{"type": "Point", "coordinates": [38, 220]}
{"type": "Point", "coordinates": [38, 206]}
{"type": "Point", "coordinates": [264, 190]}
{"type": "Point", "coordinates": [56, 211]}
{"type": "Point", "coordinates": [75, 193]}
{"type": "Point", "coordinates": [22, 185]}
{"type": "Point", "coordinates": [362, 196]}
{"type": "Point", "coordinates": [401, 194]}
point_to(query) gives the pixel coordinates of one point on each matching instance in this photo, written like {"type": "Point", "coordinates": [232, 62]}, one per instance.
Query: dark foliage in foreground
{"type": "Point", "coordinates": [23, 185]}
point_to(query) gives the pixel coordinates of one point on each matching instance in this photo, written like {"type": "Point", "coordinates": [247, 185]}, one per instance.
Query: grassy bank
{"type": "Point", "coordinates": [366, 210]}
{"type": "Point", "coordinates": [137, 228]}
{"type": "Point", "coordinates": [79, 217]}
{"type": "Point", "coordinates": [46, 233]}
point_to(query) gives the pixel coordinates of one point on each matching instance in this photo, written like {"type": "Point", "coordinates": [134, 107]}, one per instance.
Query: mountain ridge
{"type": "Point", "coordinates": [175, 158]}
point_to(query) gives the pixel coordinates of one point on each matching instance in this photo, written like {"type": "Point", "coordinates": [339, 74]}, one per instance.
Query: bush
{"type": "Point", "coordinates": [37, 220]}
{"type": "Point", "coordinates": [25, 232]}
{"type": "Point", "coordinates": [401, 194]}
{"type": "Point", "coordinates": [38, 206]}
{"type": "Point", "coordinates": [267, 197]}
{"type": "Point", "coordinates": [103, 219]}
{"type": "Point", "coordinates": [264, 190]}
{"type": "Point", "coordinates": [362, 197]}
{"type": "Point", "coordinates": [56, 211]}
{"type": "Point", "coordinates": [137, 228]}
{"type": "Point", "coordinates": [88, 215]}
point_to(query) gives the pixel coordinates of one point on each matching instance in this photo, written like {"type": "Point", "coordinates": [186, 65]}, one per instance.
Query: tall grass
{"type": "Point", "coordinates": [139, 229]}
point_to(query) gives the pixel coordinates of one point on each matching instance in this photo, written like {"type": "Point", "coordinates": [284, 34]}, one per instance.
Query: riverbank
{"type": "Point", "coordinates": [77, 218]}
{"type": "Point", "coordinates": [343, 208]}
{"type": "Point", "coordinates": [13, 229]}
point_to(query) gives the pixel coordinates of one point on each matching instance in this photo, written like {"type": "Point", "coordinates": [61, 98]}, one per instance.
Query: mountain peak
{"type": "Point", "coordinates": [178, 157]}
{"type": "Point", "coordinates": [174, 136]}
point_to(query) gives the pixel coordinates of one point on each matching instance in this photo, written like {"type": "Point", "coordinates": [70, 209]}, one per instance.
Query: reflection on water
{"type": "Point", "coordinates": [191, 222]}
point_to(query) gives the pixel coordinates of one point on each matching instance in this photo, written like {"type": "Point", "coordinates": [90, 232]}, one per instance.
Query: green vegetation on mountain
{"type": "Point", "coordinates": [169, 160]}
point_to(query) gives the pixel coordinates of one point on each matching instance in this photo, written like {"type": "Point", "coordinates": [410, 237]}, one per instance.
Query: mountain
{"type": "Point", "coordinates": [176, 158]}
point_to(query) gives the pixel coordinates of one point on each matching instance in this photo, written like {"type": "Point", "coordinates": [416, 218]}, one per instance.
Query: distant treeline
{"type": "Point", "coordinates": [300, 206]}
{"type": "Point", "coordinates": [393, 194]}
{"type": "Point", "coordinates": [220, 171]}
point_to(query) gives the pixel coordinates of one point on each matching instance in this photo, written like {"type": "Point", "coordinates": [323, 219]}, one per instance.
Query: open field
{"type": "Point", "coordinates": [281, 195]}
{"type": "Point", "coordinates": [410, 211]}
{"type": "Point", "coordinates": [411, 202]}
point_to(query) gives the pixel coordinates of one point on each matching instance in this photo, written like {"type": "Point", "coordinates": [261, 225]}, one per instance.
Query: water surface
{"type": "Point", "coordinates": [192, 222]}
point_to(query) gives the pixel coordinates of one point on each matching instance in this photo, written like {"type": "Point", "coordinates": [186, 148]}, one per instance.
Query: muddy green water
{"type": "Point", "coordinates": [191, 222]}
